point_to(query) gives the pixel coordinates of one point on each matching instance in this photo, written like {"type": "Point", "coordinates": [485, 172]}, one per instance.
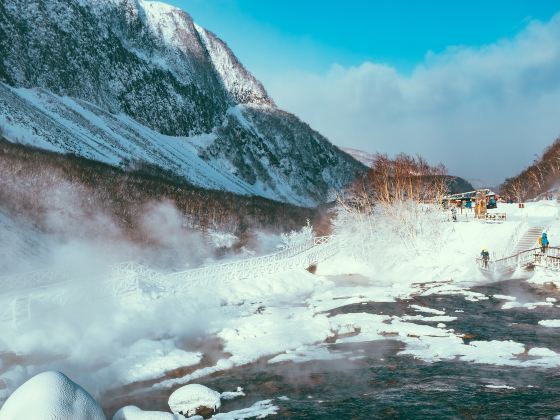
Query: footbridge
{"type": "Point", "coordinates": [523, 252]}
{"type": "Point", "coordinates": [530, 258]}
{"type": "Point", "coordinates": [130, 279]}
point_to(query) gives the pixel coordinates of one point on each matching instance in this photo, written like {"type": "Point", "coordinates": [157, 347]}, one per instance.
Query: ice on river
{"type": "Point", "coordinates": [294, 316]}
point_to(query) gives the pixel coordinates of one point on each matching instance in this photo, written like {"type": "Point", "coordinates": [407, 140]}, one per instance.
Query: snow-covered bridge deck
{"type": "Point", "coordinates": [129, 278]}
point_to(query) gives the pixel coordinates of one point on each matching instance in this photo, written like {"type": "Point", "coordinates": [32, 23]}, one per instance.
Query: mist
{"type": "Point", "coordinates": [75, 321]}
{"type": "Point", "coordinates": [483, 112]}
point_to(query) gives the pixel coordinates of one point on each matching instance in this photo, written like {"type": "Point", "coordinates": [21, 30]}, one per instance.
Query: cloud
{"type": "Point", "coordinates": [484, 112]}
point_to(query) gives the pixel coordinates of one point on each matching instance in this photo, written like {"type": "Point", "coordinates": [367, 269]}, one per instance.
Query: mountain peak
{"type": "Point", "coordinates": [124, 81]}
{"type": "Point", "coordinates": [241, 85]}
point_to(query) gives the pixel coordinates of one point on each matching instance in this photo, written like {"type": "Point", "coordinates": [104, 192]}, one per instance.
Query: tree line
{"type": "Point", "coordinates": [537, 179]}
{"type": "Point", "coordinates": [69, 192]}
{"type": "Point", "coordinates": [389, 181]}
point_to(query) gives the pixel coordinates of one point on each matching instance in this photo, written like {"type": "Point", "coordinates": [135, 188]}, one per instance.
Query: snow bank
{"type": "Point", "coordinates": [230, 395]}
{"type": "Point", "coordinates": [552, 323]}
{"type": "Point", "coordinates": [308, 353]}
{"type": "Point", "coordinates": [441, 250]}
{"type": "Point", "coordinates": [504, 297]}
{"type": "Point", "coordinates": [527, 305]}
{"type": "Point", "coordinates": [190, 399]}
{"type": "Point", "coordinates": [147, 359]}
{"type": "Point", "coordinates": [542, 352]}
{"type": "Point", "coordinates": [432, 344]}
{"type": "Point", "coordinates": [499, 387]}
{"type": "Point", "coordinates": [51, 395]}
{"type": "Point", "coordinates": [132, 412]}
{"type": "Point", "coordinates": [259, 410]}
{"type": "Point", "coordinates": [424, 309]}
{"type": "Point", "coordinates": [436, 250]}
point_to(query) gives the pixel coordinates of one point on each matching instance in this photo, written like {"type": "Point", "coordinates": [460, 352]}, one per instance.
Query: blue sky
{"type": "Point", "coordinates": [275, 35]}
{"type": "Point", "coordinates": [451, 80]}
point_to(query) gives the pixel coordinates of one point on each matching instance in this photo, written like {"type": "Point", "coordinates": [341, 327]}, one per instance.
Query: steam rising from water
{"type": "Point", "coordinates": [80, 327]}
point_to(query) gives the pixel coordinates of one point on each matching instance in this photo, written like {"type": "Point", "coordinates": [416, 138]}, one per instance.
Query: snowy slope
{"type": "Point", "coordinates": [66, 125]}
{"type": "Point", "coordinates": [133, 80]}
{"type": "Point", "coordinates": [364, 157]}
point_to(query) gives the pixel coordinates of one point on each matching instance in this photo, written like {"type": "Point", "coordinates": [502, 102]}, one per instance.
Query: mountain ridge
{"type": "Point", "coordinates": [134, 80]}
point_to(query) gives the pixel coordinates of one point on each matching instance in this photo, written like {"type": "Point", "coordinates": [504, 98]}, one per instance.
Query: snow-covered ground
{"type": "Point", "coordinates": [290, 316]}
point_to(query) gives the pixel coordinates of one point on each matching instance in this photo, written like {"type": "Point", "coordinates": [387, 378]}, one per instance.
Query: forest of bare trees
{"type": "Point", "coordinates": [45, 187]}
{"type": "Point", "coordinates": [398, 198]}
{"type": "Point", "coordinates": [542, 176]}
{"type": "Point", "coordinates": [404, 178]}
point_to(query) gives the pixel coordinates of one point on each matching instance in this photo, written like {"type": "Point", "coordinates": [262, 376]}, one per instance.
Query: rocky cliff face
{"type": "Point", "coordinates": [126, 81]}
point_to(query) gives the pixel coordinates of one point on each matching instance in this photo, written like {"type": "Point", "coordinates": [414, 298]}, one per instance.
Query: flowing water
{"type": "Point", "coordinates": [375, 382]}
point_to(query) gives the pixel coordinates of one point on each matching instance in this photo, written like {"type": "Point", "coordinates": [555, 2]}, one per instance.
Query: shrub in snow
{"type": "Point", "coordinates": [296, 238]}
{"type": "Point", "coordinates": [132, 412]}
{"type": "Point", "coordinates": [222, 239]}
{"type": "Point", "coordinates": [194, 399]}
{"type": "Point", "coordinates": [51, 395]}
{"type": "Point", "coordinates": [414, 227]}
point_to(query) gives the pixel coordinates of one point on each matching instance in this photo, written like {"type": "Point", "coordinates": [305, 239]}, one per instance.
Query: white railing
{"type": "Point", "coordinates": [515, 237]}
{"type": "Point", "coordinates": [495, 217]}
{"type": "Point", "coordinates": [128, 279]}
{"type": "Point", "coordinates": [550, 259]}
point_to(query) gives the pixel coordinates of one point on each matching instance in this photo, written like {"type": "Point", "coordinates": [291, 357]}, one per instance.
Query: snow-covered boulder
{"type": "Point", "coordinates": [131, 412]}
{"type": "Point", "coordinates": [51, 395]}
{"type": "Point", "coordinates": [194, 399]}
{"type": "Point", "coordinates": [230, 395]}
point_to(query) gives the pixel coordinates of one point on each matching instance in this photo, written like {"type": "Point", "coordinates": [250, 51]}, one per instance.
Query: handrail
{"type": "Point", "coordinates": [520, 257]}
{"type": "Point", "coordinates": [40, 278]}
{"type": "Point", "coordinates": [516, 236]}
{"type": "Point", "coordinates": [132, 279]}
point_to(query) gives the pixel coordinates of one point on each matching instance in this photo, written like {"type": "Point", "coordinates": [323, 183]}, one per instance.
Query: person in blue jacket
{"type": "Point", "coordinates": [544, 242]}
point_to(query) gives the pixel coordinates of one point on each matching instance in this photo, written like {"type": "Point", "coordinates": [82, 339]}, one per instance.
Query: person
{"type": "Point", "coordinates": [454, 213]}
{"type": "Point", "coordinates": [544, 242]}
{"type": "Point", "coordinates": [485, 257]}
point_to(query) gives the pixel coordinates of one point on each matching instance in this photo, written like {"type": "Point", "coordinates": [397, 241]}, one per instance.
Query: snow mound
{"type": "Point", "coordinates": [51, 395]}
{"type": "Point", "coordinates": [259, 410]}
{"type": "Point", "coordinates": [193, 398]}
{"type": "Point", "coordinates": [528, 305]}
{"type": "Point", "coordinates": [230, 395]}
{"type": "Point", "coordinates": [419, 308]}
{"type": "Point", "coordinates": [499, 386]}
{"type": "Point", "coordinates": [542, 352]}
{"type": "Point", "coordinates": [131, 412]}
{"type": "Point", "coordinates": [551, 323]}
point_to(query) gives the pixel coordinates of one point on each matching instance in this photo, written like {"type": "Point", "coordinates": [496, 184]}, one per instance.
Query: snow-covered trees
{"type": "Point", "coordinates": [37, 184]}
{"type": "Point", "coordinates": [398, 199]}
{"type": "Point", "coordinates": [403, 178]}
{"type": "Point", "coordinates": [542, 176]}
{"type": "Point", "coordinates": [299, 237]}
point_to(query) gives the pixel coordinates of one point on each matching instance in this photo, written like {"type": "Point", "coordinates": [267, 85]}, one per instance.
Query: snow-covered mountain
{"type": "Point", "coordinates": [364, 157]}
{"type": "Point", "coordinates": [125, 81]}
